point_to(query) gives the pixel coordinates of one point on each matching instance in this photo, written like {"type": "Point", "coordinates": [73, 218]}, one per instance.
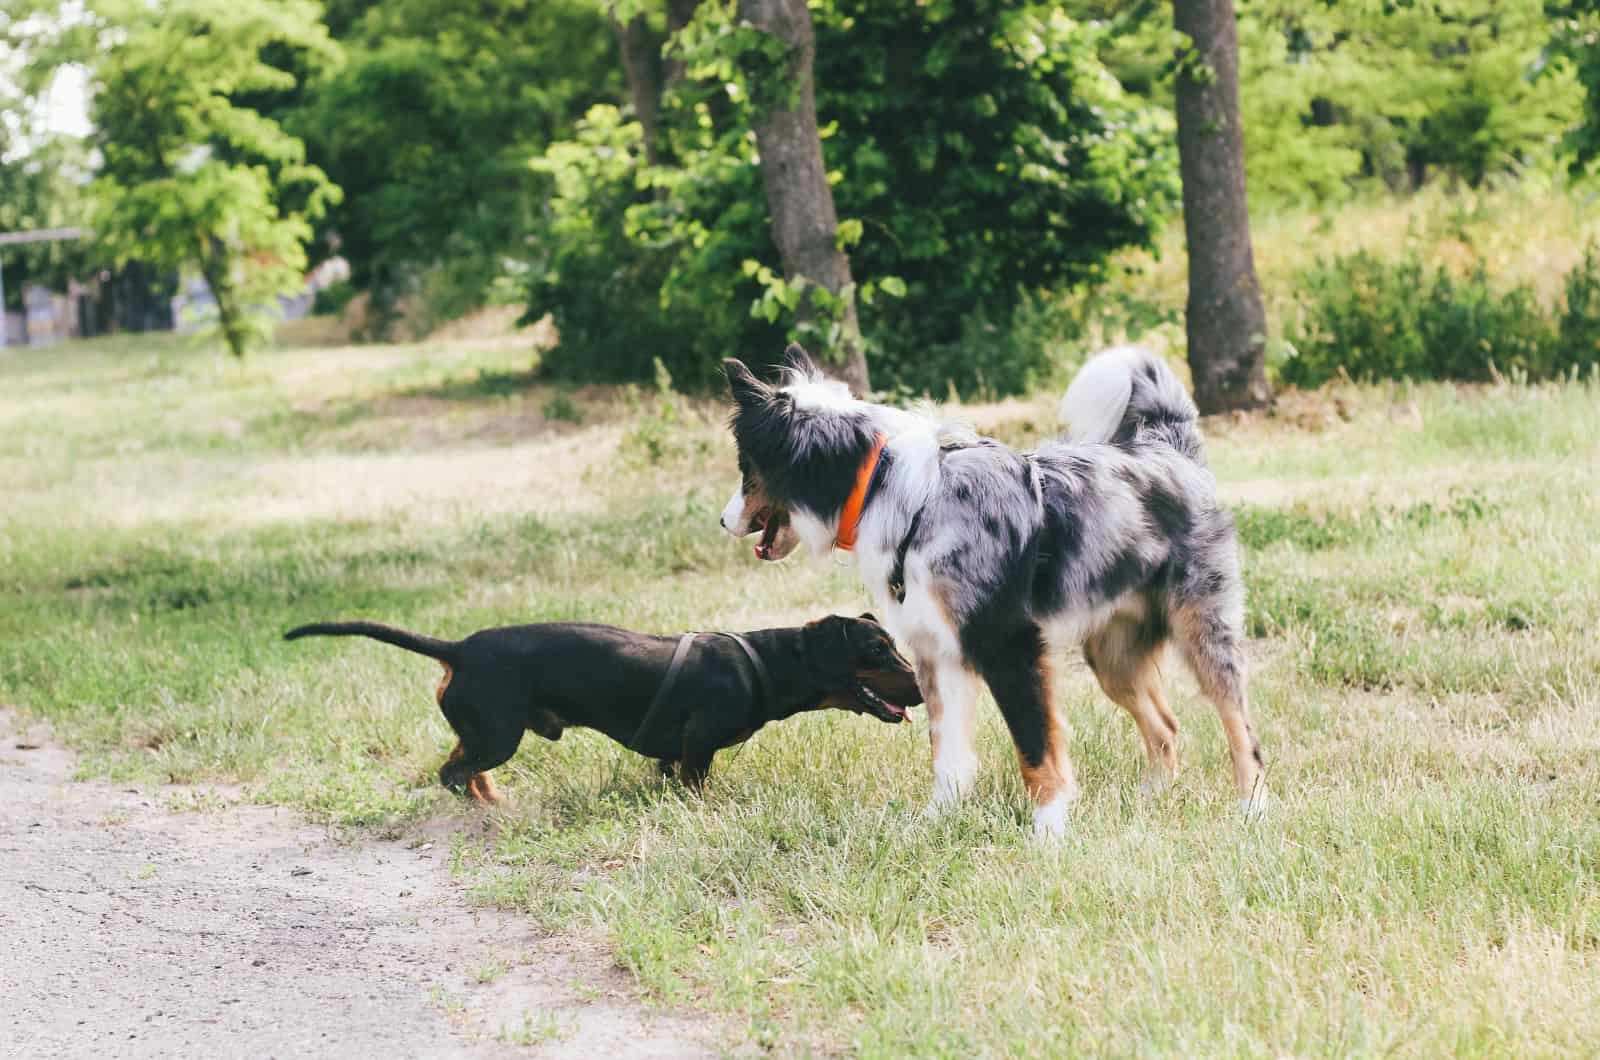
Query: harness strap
{"type": "Point", "coordinates": [897, 574]}
{"type": "Point", "coordinates": [664, 690]}
{"type": "Point", "coordinates": [653, 716]}
{"type": "Point", "coordinates": [763, 679]}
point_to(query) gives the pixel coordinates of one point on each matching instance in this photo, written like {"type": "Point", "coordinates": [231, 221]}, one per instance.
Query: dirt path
{"type": "Point", "coordinates": [130, 929]}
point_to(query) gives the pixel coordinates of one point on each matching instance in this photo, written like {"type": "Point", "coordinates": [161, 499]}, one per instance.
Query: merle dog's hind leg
{"type": "Point", "coordinates": [1210, 632]}
{"type": "Point", "coordinates": [1018, 673]}
{"type": "Point", "coordinates": [1125, 658]}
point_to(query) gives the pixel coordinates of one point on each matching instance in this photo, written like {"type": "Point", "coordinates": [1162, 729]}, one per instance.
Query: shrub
{"type": "Point", "coordinates": [1578, 331]}
{"type": "Point", "coordinates": [332, 299]}
{"type": "Point", "coordinates": [631, 279]}
{"type": "Point", "coordinates": [953, 201]}
{"type": "Point", "coordinates": [1377, 319]}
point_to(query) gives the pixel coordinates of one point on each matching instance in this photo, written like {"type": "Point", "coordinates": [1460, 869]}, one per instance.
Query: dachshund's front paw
{"type": "Point", "coordinates": [483, 791]}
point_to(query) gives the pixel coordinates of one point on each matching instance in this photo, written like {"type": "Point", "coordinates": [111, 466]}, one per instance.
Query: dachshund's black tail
{"type": "Point", "coordinates": [432, 647]}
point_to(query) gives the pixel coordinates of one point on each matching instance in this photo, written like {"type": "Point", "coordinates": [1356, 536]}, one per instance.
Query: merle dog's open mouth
{"type": "Point", "coordinates": [770, 521]}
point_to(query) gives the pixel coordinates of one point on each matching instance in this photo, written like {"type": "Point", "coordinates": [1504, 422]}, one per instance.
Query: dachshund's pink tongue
{"type": "Point", "coordinates": [763, 551]}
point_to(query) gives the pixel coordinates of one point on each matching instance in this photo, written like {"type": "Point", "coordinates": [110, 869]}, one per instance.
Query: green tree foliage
{"type": "Point", "coordinates": [1335, 95]}
{"type": "Point", "coordinates": [1577, 37]}
{"type": "Point", "coordinates": [186, 176]}
{"type": "Point", "coordinates": [980, 150]}
{"type": "Point", "coordinates": [41, 178]}
{"type": "Point", "coordinates": [429, 125]}
{"type": "Point", "coordinates": [42, 186]}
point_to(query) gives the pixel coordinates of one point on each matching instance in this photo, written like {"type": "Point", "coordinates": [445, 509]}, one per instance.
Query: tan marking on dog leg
{"type": "Point", "coordinates": [1130, 675]}
{"type": "Point", "coordinates": [1166, 740]}
{"type": "Point", "coordinates": [1052, 783]}
{"type": "Point", "coordinates": [444, 683]}
{"type": "Point", "coordinates": [482, 789]}
{"type": "Point", "coordinates": [950, 691]}
{"type": "Point", "coordinates": [1216, 655]}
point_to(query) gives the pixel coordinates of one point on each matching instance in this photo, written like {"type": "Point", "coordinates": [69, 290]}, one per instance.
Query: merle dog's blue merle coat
{"type": "Point", "coordinates": [983, 559]}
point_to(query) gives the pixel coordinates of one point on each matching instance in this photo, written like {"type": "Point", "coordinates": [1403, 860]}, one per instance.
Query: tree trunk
{"type": "Point", "coordinates": [679, 14]}
{"type": "Point", "coordinates": [216, 268]}
{"type": "Point", "coordinates": [641, 65]}
{"type": "Point", "coordinates": [804, 223]}
{"type": "Point", "coordinates": [1227, 324]}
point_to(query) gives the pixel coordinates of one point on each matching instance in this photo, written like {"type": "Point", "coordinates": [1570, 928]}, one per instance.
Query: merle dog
{"type": "Point", "coordinates": [984, 561]}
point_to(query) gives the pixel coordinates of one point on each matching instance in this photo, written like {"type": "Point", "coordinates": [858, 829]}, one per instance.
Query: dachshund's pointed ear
{"type": "Point", "coordinates": [796, 359]}
{"type": "Point", "coordinates": [743, 385]}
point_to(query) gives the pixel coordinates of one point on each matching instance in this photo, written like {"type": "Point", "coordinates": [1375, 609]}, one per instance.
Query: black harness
{"type": "Point", "coordinates": [653, 727]}
{"type": "Point", "coordinates": [897, 573]}
{"type": "Point", "coordinates": [897, 576]}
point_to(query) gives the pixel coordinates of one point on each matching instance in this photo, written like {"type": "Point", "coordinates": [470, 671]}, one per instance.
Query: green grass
{"type": "Point", "coordinates": [1422, 563]}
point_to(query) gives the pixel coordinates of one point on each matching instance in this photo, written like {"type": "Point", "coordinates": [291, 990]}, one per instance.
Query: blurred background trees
{"type": "Point", "coordinates": [184, 174]}
{"type": "Point", "coordinates": [995, 168]}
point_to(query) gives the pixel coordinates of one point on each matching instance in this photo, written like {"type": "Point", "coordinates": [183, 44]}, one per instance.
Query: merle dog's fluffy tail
{"type": "Point", "coordinates": [432, 647]}
{"type": "Point", "coordinates": [1129, 396]}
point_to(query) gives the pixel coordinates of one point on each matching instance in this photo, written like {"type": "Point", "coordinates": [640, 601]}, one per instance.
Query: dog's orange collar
{"type": "Point", "coordinates": [850, 517]}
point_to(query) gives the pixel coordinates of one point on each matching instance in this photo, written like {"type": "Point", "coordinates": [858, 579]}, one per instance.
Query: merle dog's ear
{"type": "Point", "coordinates": [743, 385]}
{"type": "Point", "coordinates": [796, 359]}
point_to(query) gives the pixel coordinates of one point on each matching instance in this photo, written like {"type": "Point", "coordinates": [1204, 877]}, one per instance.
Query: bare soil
{"type": "Point", "coordinates": [136, 928]}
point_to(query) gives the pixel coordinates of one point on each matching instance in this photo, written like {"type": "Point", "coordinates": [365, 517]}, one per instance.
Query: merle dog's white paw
{"type": "Point", "coordinates": [1154, 784]}
{"type": "Point", "coordinates": [944, 800]}
{"type": "Point", "coordinates": [1050, 820]}
{"type": "Point", "coordinates": [949, 788]}
{"type": "Point", "coordinates": [1254, 805]}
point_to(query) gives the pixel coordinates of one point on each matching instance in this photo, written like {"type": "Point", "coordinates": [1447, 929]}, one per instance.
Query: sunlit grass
{"type": "Point", "coordinates": [1422, 565]}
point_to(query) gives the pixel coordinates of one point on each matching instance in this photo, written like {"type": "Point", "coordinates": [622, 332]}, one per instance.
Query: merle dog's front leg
{"type": "Point", "coordinates": [950, 690]}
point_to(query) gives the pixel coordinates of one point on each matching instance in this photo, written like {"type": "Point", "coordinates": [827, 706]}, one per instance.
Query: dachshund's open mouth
{"type": "Point", "coordinates": [879, 707]}
{"type": "Point", "coordinates": [885, 694]}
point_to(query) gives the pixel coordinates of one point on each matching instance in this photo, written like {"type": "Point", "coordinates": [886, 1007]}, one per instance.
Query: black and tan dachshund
{"type": "Point", "coordinates": [675, 699]}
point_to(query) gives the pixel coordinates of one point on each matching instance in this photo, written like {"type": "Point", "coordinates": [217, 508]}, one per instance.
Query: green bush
{"type": "Point", "coordinates": [1378, 319]}
{"type": "Point", "coordinates": [982, 151]}
{"type": "Point", "coordinates": [1578, 329]}
{"type": "Point", "coordinates": [331, 300]}
{"type": "Point", "coordinates": [632, 278]}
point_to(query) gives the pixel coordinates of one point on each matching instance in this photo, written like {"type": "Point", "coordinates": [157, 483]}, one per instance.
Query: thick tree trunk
{"type": "Point", "coordinates": [641, 65]}
{"type": "Point", "coordinates": [804, 223]}
{"type": "Point", "coordinates": [1227, 324]}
